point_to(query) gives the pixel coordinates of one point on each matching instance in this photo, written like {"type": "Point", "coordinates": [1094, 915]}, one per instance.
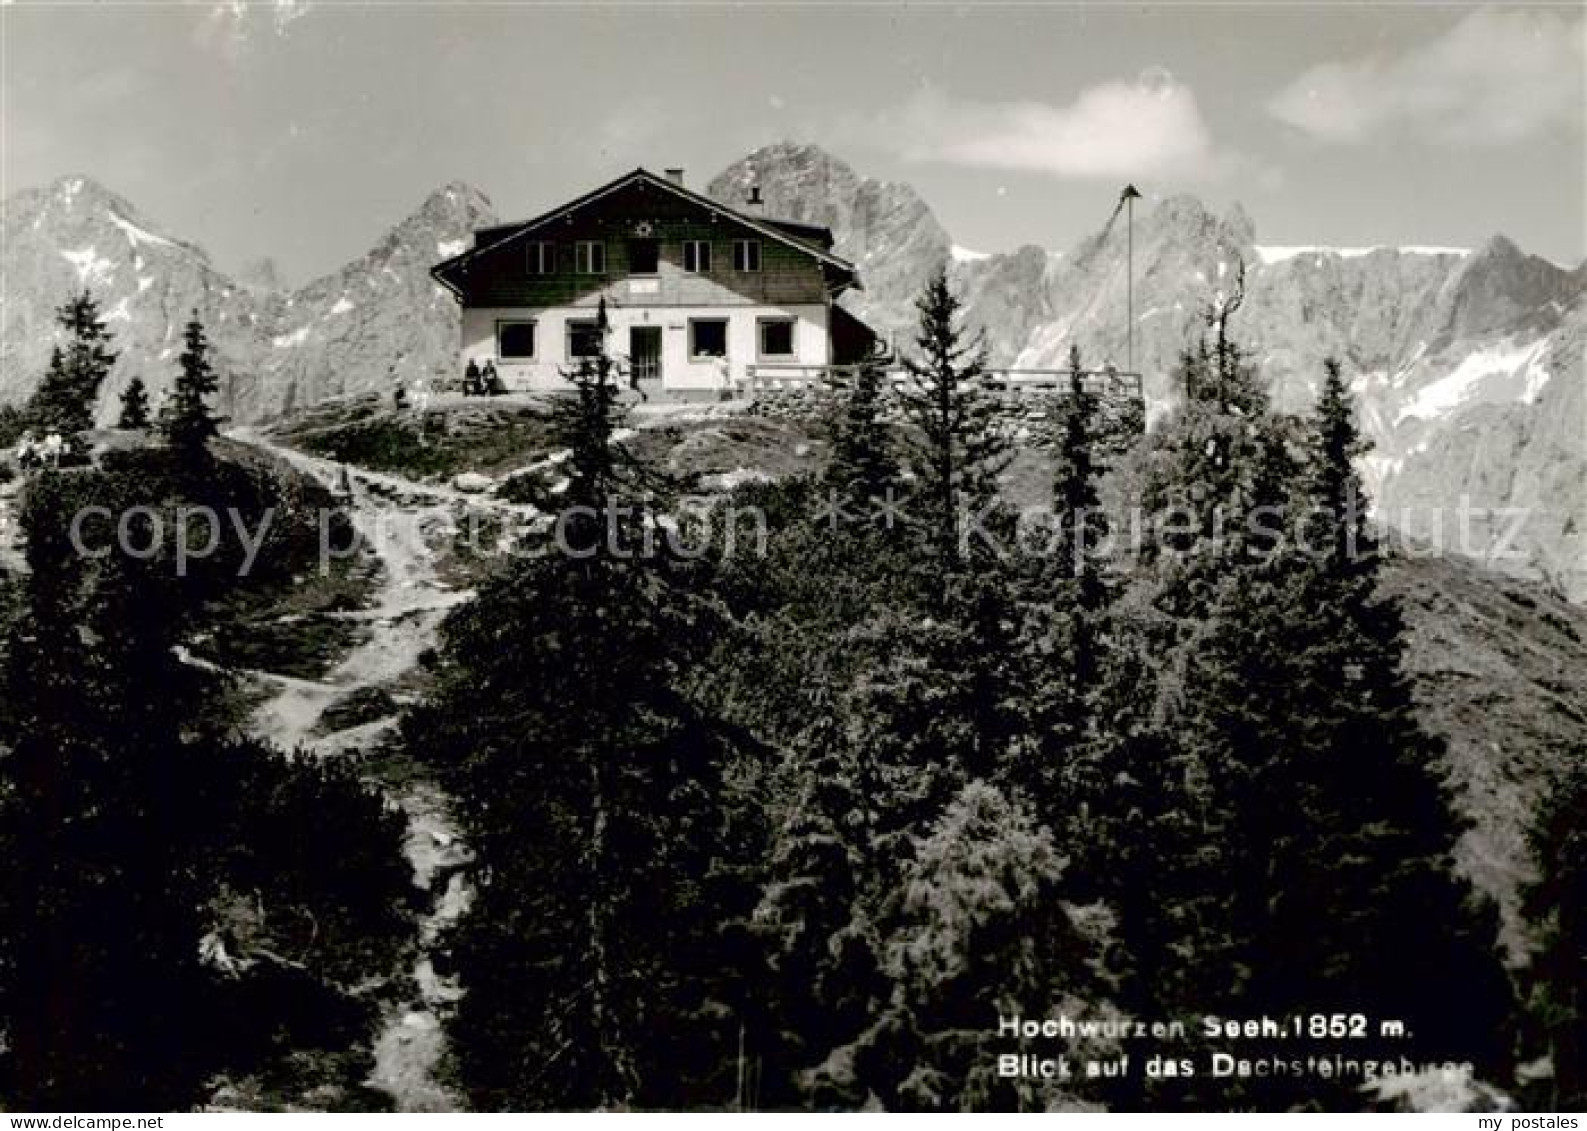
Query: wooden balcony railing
{"type": "Point", "coordinates": [1108, 383]}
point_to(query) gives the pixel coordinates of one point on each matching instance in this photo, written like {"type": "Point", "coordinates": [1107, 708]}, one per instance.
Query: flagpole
{"type": "Point", "coordinates": [1127, 197]}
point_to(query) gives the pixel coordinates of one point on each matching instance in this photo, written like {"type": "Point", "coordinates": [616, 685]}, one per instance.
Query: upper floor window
{"type": "Point", "coordinates": [542, 258]}
{"type": "Point", "coordinates": [746, 255]}
{"type": "Point", "coordinates": [584, 338]}
{"type": "Point", "coordinates": [697, 256]}
{"type": "Point", "coordinates": [515, 341]}
{"type": "Point", "coordinates": [644, 256]}
{"type": "Point", "coordinates": [589, 257]}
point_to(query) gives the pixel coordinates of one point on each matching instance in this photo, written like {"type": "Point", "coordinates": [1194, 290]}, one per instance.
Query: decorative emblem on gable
{"type": "Point", "coordinates": [644, 229]}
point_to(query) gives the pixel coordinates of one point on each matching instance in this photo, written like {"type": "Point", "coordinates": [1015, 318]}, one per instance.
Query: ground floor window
{"type": "Point", "coordinates": [776, 337]}
{"type": "Point", "coordinates": [707, 337]}
{"type": "Point", "coordinates": [515, 341]}
{"type": "Point", "coordinates": [584, 338]}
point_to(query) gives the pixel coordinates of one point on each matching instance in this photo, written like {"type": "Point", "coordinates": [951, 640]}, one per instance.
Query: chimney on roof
{"type": "Point", "coordinates": [752, 201]}
{"type": "Point", "coordinates": [675, 176]}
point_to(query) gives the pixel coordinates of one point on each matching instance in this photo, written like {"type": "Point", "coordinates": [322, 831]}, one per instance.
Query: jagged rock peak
{"type": "Point", "coordinates": [1183, 216]}
{"type": "Point", "coordinates": [79, 205]}
{"type": "Point", "coordinates": [1238, 221]}
{"type": "Point", "coordinates": [450, 211]}
{"type": "Point", "coordinates": [883, 227]}
{"type": "Point", "coordinates": [80, 192]}
{"type": "Point", "coordinates": [456, 198]}
{"type": "Point", "coordinates": [813, 167]}
{"type": "Point", "coordinates": [1499, 247]}
{"type": "Point", "coordinates": [1500, 272]}
{"type": "Point", "coordinates": [803, 182]}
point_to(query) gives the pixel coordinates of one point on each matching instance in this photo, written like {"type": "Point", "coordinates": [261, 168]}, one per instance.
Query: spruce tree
{"type": "Point", "coordinates": [65, 399]}
{"type": "Point", "coordinates": [976, 930]}
{"type": "Point", "coordinates": [864, 464]}
{"type": "Point", "coordinates": [1064, 623]}
{"type": "Point", "coordinates": [186, 419]}
{"type": "Point", "coordinates": [965, 561]}
{"type": "Point", "coordinates": [962, 445]}
{"type": "Point", "coordinates": [1218, 472]}
{"type": "Point", "coordinates": [1076, 502]}
{"type": "Point", "coordinates": [591, 785]}
{"type": "Point", "coordinates": [1405, 827]}
{"type": "Point", "coordinates": [102, 991]}
{"type": "Point", "coordinates": [1555, 904]}
{"type": "Point", "coordinates": [1336, 824]}
{"type": "Point", "coordinates": [134, 406]}
{"type": "Point", "coordinates": [53, 407]}
{"type": "Point", "coordinates": [815, 913]}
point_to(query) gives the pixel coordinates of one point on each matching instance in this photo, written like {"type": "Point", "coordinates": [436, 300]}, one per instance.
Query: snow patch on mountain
{"type": "Point", "coordinates": [136, 235]}
{"type": "Point", "coordinates": [1501, 359]}
{"type": "Point", "coordinates": [446, 249]}
{"type": "Point", "coordinates": [967, 255]}
{"type": "Point", "coordinates": [1537, 376]}
{"type": "Point", "coordinates": [343, 305]}
{"type": "Point", "coordinates": [1269, 254]}
{"type": "Point", "coordinates": [89, 265]}
{"type": "Point", "coordinates": [288, 341]}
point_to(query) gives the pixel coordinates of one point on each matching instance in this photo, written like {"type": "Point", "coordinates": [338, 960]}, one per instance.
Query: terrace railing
{"type": "Point", "coordinates": [1107, 382]}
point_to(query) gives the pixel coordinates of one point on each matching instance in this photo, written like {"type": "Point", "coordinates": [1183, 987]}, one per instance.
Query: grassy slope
{"type": "Point", "coordinates": [490, 436]}
{"type": "Point", "coordinates": [284, 622]}
{"type": "Point", "coordinates": [1501, 674]}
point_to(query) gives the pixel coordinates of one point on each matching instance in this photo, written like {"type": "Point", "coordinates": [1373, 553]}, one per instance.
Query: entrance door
{"type": "Point", "coordinates": [644, 353]}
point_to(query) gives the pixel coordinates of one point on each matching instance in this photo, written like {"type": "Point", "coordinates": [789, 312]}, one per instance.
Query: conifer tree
{"type": "Point", "coordinates": [864, 465]}
{"type": "Point", "coordinates": [976, 930]}
{"type": "Point", "coordinates": [186, 418]}
{"type": "Point", "coordinates": [1063, 620]}
{"type": "Point", "coordinates": [102, 984]}
{"type": "Point", "coordinates": [591, 787]}
{"type": "Point", "coordinates": [1336, 824]}
{"type": "Point", "coordinates": [815, 912]}
{"type": "Point", "coordinates": [1555, 904]}
{"type": "Point", "coordinates": [1218, 472]}
{"type": "Point", "coordinates": [134, 405]}
{"type": "Point", "coordinates": [65, 399]}
{"type": "Point", "coordinates": [962, 445]}
{"type": "Point", "coordinates": [53, 407]}
{"type": "Point", "coordinates": [965, 561]}
{"type": "Point", "coordinates": [1146, 826]}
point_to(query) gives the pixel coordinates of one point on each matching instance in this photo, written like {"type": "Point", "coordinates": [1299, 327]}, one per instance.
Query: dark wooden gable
{"type": "Point", "coordinates": [794, 268]}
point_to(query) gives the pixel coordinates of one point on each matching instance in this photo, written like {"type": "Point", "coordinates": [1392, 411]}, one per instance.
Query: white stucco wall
{"type": "Point", "coordinates": [812, 342]}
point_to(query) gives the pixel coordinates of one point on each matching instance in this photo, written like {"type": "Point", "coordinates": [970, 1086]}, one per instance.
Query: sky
{"type": "Point", "coordinates": [303, 129]}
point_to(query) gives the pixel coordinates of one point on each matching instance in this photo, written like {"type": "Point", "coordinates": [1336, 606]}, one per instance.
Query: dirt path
{"type": "Point", "coordinates": [398, 518]}
{"type": "Point", "coordinates": [393, 516]}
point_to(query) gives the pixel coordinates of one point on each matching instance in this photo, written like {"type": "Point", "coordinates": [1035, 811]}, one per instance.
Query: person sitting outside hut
{"type": "Point", "coordinates": [471, 376]}
{"type": "Point", "coordinates": [491, 384]}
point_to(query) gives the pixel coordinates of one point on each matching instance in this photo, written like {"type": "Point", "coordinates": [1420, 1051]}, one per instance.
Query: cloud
{"type": "Point", "coordinates": [1146, 127]}
{"type": "Point", "coordinates": [230, 24]}
{"type": "Point", "coordinates": [1495, 77]}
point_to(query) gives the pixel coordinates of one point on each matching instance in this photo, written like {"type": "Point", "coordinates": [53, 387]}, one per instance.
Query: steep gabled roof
{"type": "Point", "coordinates": [809, 233]}
{"type": "Point", "coordinates": [809, 238]}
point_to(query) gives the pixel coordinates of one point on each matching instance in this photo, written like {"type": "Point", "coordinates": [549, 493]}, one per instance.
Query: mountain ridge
{"type": "Point", "coordinates": [1468, 365]}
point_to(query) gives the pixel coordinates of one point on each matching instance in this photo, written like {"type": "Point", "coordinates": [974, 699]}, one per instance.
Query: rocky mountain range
{"type": "Point", "coordinates": [1469, 364]}
{"type": "Point", "coordinates": [375, 321]}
